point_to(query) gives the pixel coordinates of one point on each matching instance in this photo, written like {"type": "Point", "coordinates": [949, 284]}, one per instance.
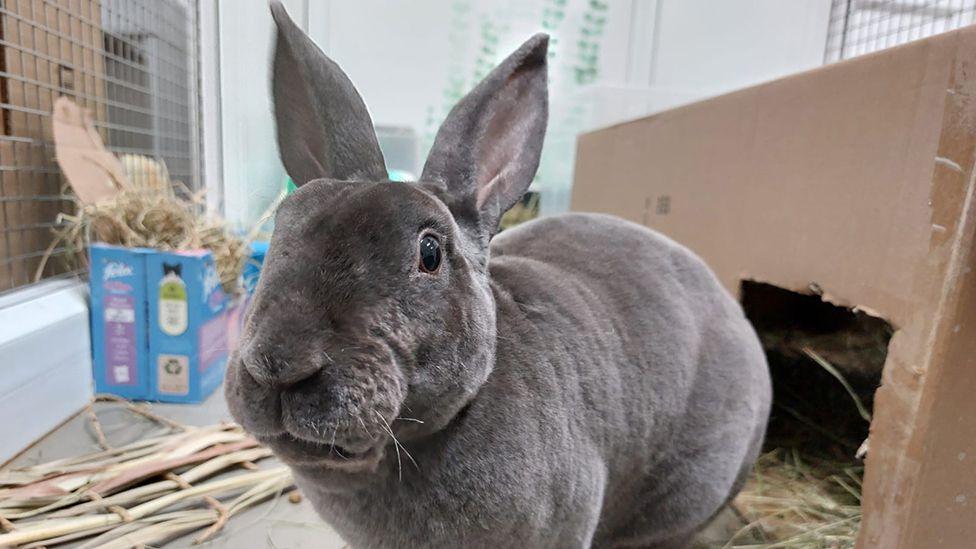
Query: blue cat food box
{"type": "Point", "coordinates": [162, 325]}
{"type": "Point", "coordinates": [119, 325]}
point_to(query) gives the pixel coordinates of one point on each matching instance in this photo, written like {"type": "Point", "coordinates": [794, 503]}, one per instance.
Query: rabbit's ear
{"type": "Point", "coordinates": [487, 151]}
{"type": "Point", "coordinates": [324, 129]}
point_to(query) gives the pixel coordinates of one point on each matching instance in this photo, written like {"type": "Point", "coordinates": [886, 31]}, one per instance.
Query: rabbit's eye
{"type": "Point", "coordinates": [430, 254]}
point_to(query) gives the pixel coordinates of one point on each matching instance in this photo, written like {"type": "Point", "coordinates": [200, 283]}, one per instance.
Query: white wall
{"type": "Point", "coordinates": [252, 173]}
{"type": "Point", "coordinates": [702, 48]}
{"type": "Point", "coordinates": [405, 56]}
{"type": "Point", "coordinates": [721, 45]}
{"type": "Point", "coordinates": [394, 52]}
{"type": "Point", "coordinates": [399, 53]}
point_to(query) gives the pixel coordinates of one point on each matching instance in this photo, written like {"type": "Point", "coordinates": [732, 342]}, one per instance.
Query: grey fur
{"type": "Point", "coordinates": [585, 383]}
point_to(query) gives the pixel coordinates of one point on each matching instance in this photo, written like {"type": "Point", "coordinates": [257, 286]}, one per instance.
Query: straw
{"type": "Point", "coordinates": [123, 495]}
{"type": "Point", "coordinates": [803, 496]}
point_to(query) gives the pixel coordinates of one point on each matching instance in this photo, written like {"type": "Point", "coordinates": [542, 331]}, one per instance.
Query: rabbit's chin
{"type": "Point", "coordinates": [305, 454]}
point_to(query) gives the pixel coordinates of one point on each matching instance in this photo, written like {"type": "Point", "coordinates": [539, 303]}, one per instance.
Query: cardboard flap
{"type": "Point", "coordinates": [94, 173]}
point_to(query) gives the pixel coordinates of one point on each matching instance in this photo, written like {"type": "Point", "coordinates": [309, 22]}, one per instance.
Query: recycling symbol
{"type": "Point", "coordinates": [173, 367]}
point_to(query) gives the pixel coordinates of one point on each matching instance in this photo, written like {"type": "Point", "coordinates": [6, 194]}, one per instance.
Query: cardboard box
{"type": "Point", "coordinates": [162, 325]}
{"type": "Point", "coordinates": [252, 269]}
{"type": "Point", "coordinates": [119, 324]}
{"type": "Point", "coordinates": [857, 178]}
{"type": "Point", "coordinates": [189, 323]}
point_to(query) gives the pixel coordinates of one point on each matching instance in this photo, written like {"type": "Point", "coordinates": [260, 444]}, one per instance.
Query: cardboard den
{"type": "Point", "coordinates": [855, 180]}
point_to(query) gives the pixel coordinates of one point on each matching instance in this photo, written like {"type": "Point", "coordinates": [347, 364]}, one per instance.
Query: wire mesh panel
{"type": "Point", "coordinates": [132, 63]}
{"type": "Point", "coordinates": [863, 26]}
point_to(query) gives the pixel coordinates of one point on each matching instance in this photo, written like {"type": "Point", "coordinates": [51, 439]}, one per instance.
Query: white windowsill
{"type": "Point", "coordinates": [45, 361]}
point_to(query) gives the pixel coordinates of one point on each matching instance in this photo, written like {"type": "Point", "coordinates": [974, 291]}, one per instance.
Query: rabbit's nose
{"type": "Point", "coordinates": [273, 369]}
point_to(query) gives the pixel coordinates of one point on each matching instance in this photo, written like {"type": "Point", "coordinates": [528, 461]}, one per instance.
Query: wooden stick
{"type": "Point", "coordinates": [132, 407]}
{"type": "Point", "coordinates": [6, 525]}
{"type": "Point", "coordinates": [151, 469]}
{"type": "Point", "coordinates": [45, 529]}
{"type": "Point", "coordinates": [97, 425]}
{"type": "Point", "coordinates": [67, 538]}
{"type": "Point", "coordinates": [155, 533]}
{"type": "Point", "coordinates": [178, 523]}
{"type": "Point", "coordinates": [124, 529]}
{"type": "Point", "coordinates": [15, 476]}
{"type": "Point", "coordinates": [140, 493]}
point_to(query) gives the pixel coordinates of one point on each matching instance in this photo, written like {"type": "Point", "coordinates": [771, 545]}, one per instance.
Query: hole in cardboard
{"type": "Point", "coordinates": [826, 364]}
{"type": "Point", "coordinates": [804, 337]}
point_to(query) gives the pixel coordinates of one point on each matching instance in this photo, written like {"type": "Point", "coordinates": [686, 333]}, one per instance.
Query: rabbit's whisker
{"type": "Point", "coordinates": [332, 444]}
{"type": "Point", "coordinates": [396, 442]}
{"type": "Point", "coordinates": [363, 423]}
{"type": "Point", "coordinates": [413, 419]}
{"type": "Point", "coordinates": [396, 447]}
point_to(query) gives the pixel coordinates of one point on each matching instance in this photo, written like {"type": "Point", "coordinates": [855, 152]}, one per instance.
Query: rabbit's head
{"type": "Point", "coordinates": [374, 312]}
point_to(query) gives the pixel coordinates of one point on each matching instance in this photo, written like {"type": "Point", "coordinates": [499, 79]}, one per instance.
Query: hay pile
{"type": "Point", "coordinates": [155, 212]}
{"type": "Point", "coordinates": [806, 490]}
{"type": "Point", "coordinates": [800, 501]}
{"type": "Point", "coordinates": [150, 217]}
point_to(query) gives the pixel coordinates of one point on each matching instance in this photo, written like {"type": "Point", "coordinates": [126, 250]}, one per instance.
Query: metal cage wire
{"type": "Point", "coordinates": [863, 26]}
{"type": "Point", "coordinates": [133, 63]}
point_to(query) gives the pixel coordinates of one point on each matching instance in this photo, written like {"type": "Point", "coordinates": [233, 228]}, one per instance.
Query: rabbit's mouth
{"type": "Point", "coordinates": [304, 453]}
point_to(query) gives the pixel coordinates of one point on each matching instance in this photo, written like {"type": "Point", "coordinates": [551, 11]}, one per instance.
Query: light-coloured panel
{"type": "Point", "coordinates": [42, 384]}
{"type": "Point", "coordinates": [252, 173]}
{"type": "Point", "coordinates": [411, 61]}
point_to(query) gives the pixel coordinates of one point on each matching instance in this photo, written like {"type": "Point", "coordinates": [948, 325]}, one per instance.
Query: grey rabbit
{"type": "Point", "coordinates": [577, 381]}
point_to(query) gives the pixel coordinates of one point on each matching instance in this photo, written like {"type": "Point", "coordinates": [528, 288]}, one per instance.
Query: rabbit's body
{"type": "Point", "coordinates": [648, 410]}
{"type": "Point", "coordinates": [577, 381]}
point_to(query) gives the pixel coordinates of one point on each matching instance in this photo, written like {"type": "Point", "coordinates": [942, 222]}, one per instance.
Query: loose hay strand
{"type": "Point", "coordinates": [822, 362]}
